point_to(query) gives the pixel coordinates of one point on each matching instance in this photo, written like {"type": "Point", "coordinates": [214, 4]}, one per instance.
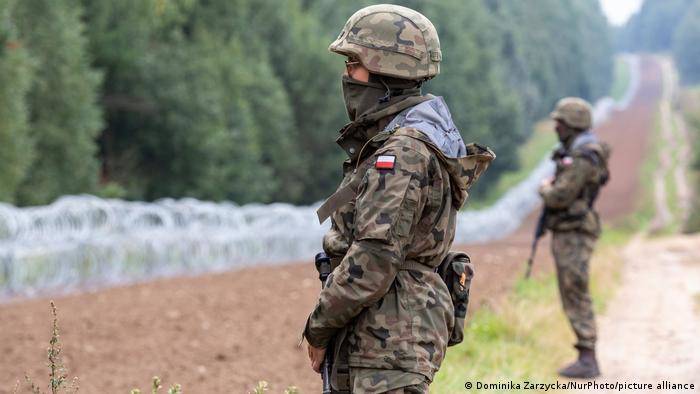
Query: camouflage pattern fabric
{"type": "Point", "coordinates": [579, 175]}
{"type": "Point", "coordinates": [391, 40]}
{"type": "Point", "coordinates": [369, 380]}
{"type": "Point", "coordinates": [581, 171]}
{"type": "Point", "coordinates": [575, 112]}
{"type": "Point", "coordinates": [395, 318]}
{"type": "Point", "coordinates": [572, 252]}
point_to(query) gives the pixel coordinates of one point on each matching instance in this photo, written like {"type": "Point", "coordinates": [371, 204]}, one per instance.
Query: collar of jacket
{"type": "Point", "coordinates": [582, 139]}
{"type": "Point", "coordinates": [578, 141]}
{"type": "Point", "coordinates": [464, 170]}
{"type": "Point", "coordinates": [355, 135]}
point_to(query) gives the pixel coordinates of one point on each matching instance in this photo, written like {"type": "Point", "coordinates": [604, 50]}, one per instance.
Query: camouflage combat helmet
{"type": "Point", "coordinates": [391, 40]}
{"type": "Point", "coordinates": [573, 111]}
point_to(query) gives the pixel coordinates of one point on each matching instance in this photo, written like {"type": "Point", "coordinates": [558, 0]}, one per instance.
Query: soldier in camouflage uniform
{"type": "Point", "coordinates": [385, 311]}
{"type": "Point", "coordinates": [568, 198]}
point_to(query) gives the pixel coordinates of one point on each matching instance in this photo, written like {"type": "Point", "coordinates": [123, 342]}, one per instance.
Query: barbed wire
{"type": "Point", "coordinates": [81, 242]}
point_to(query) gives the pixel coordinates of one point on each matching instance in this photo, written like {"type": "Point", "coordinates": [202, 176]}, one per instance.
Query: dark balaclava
{"type": "Point", "coordinates": [371, 106]}
{"type": "Point", "coordinates": [566, 134]}
{"type": "Point", "coordinates": [364, 98]}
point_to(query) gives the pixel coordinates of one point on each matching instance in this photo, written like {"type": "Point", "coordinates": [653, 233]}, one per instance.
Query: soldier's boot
{"type": "Point", "coordinates": [586, 367]}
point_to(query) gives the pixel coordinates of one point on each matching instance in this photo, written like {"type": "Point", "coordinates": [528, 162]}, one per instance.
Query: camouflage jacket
{"type": "Point", "coordinates": [386, 243]}
{"type": "Point", "coordinates": [581, 171]}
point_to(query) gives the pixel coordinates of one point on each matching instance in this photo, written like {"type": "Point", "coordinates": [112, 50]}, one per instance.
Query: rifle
{"type": "Point", "coordinates": [323, 266]}
{"type": "Point", "coordinates": [540, 230]}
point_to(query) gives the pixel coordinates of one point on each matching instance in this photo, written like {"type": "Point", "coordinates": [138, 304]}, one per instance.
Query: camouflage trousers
{"type": "Point", "coordinates": [572, 253]}
{"type": "Point", "coordinates": [389, 381]}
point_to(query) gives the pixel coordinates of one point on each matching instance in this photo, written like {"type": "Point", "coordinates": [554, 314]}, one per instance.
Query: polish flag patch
{"type": "Point", "coordinates": [567, 160]}
{"type": "Point", "coordinates": [385, 162]}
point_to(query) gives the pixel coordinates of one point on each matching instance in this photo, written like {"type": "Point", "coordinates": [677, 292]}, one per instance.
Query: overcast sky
{"type": "Point", "coordinates": [618, 11]}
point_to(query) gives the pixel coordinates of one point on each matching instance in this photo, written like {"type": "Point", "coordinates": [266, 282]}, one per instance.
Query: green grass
{"type": "Point", "coordinates": [621, 79]}
{"type": "Point", "coordinates": [526, 336]}
{"type": "Point", "coordinates": [672, 186]}
{"type": "Point", "coordinates": [644, 211]}
{"type": "Point", "coordinates": [540, 143]}
{"type": "Point", "coordinates": [641, 218]}
{"type": "Point", "coordinates": [606, 267]}
{"type": "Point", "coordinates": [690, 107]}
{"type": "Point", "coordinates": [644, 214]}
{"type": "Point", "coordinates": [504, 343]}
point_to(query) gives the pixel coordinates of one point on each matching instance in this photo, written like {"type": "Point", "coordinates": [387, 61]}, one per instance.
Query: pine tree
{"type": "Point", "coordinates": [686, 50]}
{"type": "Point", "coordinates": [653, 27]}
{"type": "Point", "coordinates": [240, 99]}
{"type": "Point", "coordinates": [15, 78]}
{"type": "Point", "coordinates": [64, 116]}
{"type": "Point", "coordinates": [472, 81]}
{"type": "Point", "coordinates": [201, 141]}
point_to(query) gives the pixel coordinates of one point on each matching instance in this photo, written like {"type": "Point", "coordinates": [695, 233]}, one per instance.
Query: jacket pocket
{"type": "Point", "coordinates": [405, 220]}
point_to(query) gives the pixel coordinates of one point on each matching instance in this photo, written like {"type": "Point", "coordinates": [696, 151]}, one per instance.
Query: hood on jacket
{"type": "Point", "coordinates": [431, 122]}
{"type": "Point", "coordinates": [433, 119]}
{"type": "Point", "coordinates": [590, 140]}
{"type": "Point", "coordinates": [584, 138]}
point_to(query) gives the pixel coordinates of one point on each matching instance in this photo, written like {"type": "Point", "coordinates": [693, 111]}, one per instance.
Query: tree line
{"type": "Point", "coordinates": [666, 26]}
{"type": "Point", "coordinates": [240, 100]}
{"type": "Point", "coordinates": [673, 26]}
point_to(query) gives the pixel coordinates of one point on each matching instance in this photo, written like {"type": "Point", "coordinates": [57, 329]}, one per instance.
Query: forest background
{"type": "Point", "coordinates": [240, 100]}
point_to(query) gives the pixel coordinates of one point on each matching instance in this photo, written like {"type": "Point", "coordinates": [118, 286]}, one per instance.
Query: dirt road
{"type": "Point", "coordinates": [650, 332]}
{"type": "Point", "coordinates": [224, 332]}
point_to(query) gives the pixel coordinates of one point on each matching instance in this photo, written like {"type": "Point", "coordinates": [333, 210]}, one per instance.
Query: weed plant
{"type": "Point", "coordinates": [58, 375]}
{"type": "Point", "coordinates": [263, 387]}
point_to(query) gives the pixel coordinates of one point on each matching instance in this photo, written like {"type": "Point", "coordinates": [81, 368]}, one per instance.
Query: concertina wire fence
{"type": "Point", "coordinates": [85, 242]}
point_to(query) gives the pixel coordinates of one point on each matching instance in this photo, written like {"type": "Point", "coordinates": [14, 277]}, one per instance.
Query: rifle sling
{"type": "Point", "coordinates": [348, 192]}
{"type": "Point", "coordinates": [341, 197]}
{"type": "Point", "coordinates": [344, 194]}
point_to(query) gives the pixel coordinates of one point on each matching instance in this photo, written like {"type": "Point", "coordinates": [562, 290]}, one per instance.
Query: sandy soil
{"type": "Point", "coordinates": [224, 332]}
{"type": "Point", "coordinates": [650, 331]}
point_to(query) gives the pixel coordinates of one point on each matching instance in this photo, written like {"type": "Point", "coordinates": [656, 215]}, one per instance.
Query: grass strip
{"type": "Point", "coordinates": [621, 79]}
{"type": "Point", "coordinates": [690, 108]}
{"type": "Point", "coordinates": [527, 336]}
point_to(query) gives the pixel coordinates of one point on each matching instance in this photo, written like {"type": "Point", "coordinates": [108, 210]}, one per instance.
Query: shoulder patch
{"type": "Point", "coordinates": [567, 160]}
{"type": "Point", "coordinates": [385, 162]}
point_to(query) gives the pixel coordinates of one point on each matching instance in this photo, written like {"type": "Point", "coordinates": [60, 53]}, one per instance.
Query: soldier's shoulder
{"type": "Point", "coordinates": [408, 142]}
{"type": "Point", "coordinates": [595, 146]}
{"type": "Point", "coordinates": [595, 152]}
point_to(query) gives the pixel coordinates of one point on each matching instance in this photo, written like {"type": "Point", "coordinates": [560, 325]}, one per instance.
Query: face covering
{"type": "Point", "coordinates": [566, 135]}
{"type": "Point", "coordinates": [360, 97]}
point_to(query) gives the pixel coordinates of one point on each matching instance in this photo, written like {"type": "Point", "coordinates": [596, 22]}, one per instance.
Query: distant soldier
{"type": "Point", "coordinates": [581, 170]}
{"type": "Point", "coordinates": [385, 312]}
